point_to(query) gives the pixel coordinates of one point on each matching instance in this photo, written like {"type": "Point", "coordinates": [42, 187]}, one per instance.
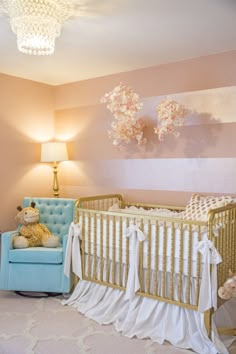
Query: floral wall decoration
{"type": "Point", "coordinates": [126, 127]}
{"type": "Point", "coordinates": [171, 115]}
{"type": "Point", "coordinates": [124, 103]}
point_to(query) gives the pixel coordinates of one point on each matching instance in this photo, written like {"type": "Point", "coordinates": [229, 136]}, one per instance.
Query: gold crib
{"type": "Point", "coordinates": [174, 276]}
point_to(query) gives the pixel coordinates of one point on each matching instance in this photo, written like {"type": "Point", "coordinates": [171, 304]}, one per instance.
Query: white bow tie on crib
{"type": "Point", "coordinates": [133, 284]}
{"type": "Point", "coordinates": [208, 289]}
{"type": "Point", "coordinates": [73, 254]}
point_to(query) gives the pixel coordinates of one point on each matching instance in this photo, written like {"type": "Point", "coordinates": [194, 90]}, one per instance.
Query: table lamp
{"type": "Point", "coordinates": [54, 152]}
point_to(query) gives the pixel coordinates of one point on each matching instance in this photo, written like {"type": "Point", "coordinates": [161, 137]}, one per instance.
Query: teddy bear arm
{"type": "Point", "coordinates": [223, 293]}
{"type": "Point", "coordinates": [25, 231]}
{"type": "Point", "coordinates": [44, 229]}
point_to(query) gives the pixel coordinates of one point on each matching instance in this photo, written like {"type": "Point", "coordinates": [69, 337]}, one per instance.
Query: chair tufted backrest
{"type": "Point", "coordinates": [56, 213]}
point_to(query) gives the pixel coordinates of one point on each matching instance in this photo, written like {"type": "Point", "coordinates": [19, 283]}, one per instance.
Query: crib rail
{"type": "Point", "coordinates": [101, 202]}
{"type": "Point", "coordinates": [224, 219]}
{"type": "Point", "coordinates": [170, 267]}
{"type": "Point", "coordinates": [106, 254]}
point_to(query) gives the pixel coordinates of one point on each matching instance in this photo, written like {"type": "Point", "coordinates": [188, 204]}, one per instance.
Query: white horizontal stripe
{"type": "Point", "coordinates": [205, 107]}
{"type": "Point", "coordinates": [214, 175]}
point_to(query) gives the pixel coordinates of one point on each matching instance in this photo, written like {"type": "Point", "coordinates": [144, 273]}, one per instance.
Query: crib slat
{"type": "Point", "coordinates": [234, 240]}
{"type": "Point", "coordinates": [156, 257]}
{"type": "Point", "coordinates": [107, 249]}
{"type": "Point", "coordinates": [219, 241]}
{"type": "Point", "coordinates": [113, 250]}
{"type": "Point", "coordinates": [88, 217]}
{"type": "Point", "coordinates": [222, 246]}
{"type": "Point", "coordinates": [180, 283]}
{"type": "Point", "coordinates": [101, 247]}
{"type": "Point", "coordinates": [198, 267]}
{"type": "Point", "coordinates": [172, 261]}
{"type": "Point", "coordinates": [141, 267]}
{"type": "Point", "coordinates": [190, 236]}
{"type": "Point", "coordinates": [95, 248]}
{"type": "Point", "coordinates": [226, 243]}
{"type": "Point", "coordinates": [127, 254]}
{"type": "Point", "coordinates": [80, 218]}
{"type": "Point", "coordinates": [231, 237]}
{"type": "Point", "coordinates": [164, 259]}
{"type": "Point", "coordinates": [148, 258]}
{"type": "Point", "coordinates": [120, 249]}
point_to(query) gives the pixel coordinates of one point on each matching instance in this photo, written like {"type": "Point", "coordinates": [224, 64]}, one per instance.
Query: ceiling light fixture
{"type": "Point", "coordinates": [37, 23]}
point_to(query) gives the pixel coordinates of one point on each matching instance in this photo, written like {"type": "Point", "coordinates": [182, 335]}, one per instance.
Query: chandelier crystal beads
{"type": "Point", "coordinates": [37, 23]}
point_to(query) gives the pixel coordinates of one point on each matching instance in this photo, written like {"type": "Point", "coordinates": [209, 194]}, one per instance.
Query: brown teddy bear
{"type": "Point", "coordinates": [31, 233]}
{"type": "Point", "coordinates": [228, 290]}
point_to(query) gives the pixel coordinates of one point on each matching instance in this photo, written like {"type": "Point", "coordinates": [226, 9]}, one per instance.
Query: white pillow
{"type": "Point", "coordinates": [198, 206]}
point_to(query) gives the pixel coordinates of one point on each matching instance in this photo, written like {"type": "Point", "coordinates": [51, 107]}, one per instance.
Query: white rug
{"type": "Point", "coordinates": [44, 326]}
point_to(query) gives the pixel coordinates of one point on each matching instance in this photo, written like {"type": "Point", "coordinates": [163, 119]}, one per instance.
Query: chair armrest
{"type": "Point", "coordinates": [6, 246]}
{"type": "Point", "coordinates": [64, 241]}
{"type": "Point", "coordinates": [64, 245]}
{"type": "Point", "coordinates": [7, 238]}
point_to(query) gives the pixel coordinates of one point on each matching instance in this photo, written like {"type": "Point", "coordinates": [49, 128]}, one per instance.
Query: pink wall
{"type": "Point", "coordinates": [26, 118]}
{"type": "Point", "coordinates": [201, 160]}
{"type": "Point", "coordinates": [187, 75]}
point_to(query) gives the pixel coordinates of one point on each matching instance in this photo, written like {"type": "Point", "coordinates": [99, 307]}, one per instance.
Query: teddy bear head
{"type": "Point", "coordinates": [228, 290]}
{"type": "Point", "coordinates": [28, 215]}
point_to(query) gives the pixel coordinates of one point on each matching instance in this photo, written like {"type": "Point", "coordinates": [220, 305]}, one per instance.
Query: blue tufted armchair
{"type": "Point", "coordinates": [39, 269]}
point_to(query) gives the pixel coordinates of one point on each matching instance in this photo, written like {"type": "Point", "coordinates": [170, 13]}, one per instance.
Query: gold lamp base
{"type": "Point", "coordinates": [55, 180]}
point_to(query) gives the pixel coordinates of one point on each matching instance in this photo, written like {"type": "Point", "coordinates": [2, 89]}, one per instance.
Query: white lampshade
{"type": "Point", "coordinates": [54, 152]}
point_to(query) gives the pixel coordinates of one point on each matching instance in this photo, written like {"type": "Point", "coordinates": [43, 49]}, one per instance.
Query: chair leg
{"type": "Point", "coordinates": [35, 294]}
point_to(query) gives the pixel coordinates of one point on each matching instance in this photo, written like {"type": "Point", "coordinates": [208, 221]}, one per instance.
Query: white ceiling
{"type": "Point", "coordinates": [113, 36]}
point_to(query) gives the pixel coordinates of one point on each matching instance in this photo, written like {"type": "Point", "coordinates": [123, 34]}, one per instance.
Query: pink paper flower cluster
{"type": "Point", "coordinates": [171, 115]}
{"type": "Point", "coordinates": [124, 103]}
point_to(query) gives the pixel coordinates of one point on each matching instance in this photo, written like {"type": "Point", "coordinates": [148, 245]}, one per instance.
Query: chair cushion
{"type": "Point", "coordinates": [36, 255]}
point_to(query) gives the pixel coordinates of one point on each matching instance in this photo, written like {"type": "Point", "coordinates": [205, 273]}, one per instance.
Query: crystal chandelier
{"type": "Point", "coordinates": [37, 23]}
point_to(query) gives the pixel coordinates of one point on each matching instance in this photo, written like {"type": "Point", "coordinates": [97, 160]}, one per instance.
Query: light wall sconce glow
{"type": "Point", "coordinates": [54, 152]}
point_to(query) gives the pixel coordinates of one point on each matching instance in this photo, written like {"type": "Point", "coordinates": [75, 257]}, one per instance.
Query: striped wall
{"type": "Point", "coordinates": [202, 159]}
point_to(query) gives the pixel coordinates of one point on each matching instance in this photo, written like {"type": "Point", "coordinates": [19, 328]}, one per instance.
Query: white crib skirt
{"type": "Point", "coordinates": [145, 318]}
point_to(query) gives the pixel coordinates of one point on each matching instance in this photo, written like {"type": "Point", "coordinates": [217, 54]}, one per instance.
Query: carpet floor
{"type": "Point", "coordinates": [44, 326]}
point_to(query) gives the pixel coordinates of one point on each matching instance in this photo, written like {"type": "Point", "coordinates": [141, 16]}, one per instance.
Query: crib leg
{"type": "Point", "coordinates": [227, 331]}
{"type": "Point", "coordinates": [207, 320]}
